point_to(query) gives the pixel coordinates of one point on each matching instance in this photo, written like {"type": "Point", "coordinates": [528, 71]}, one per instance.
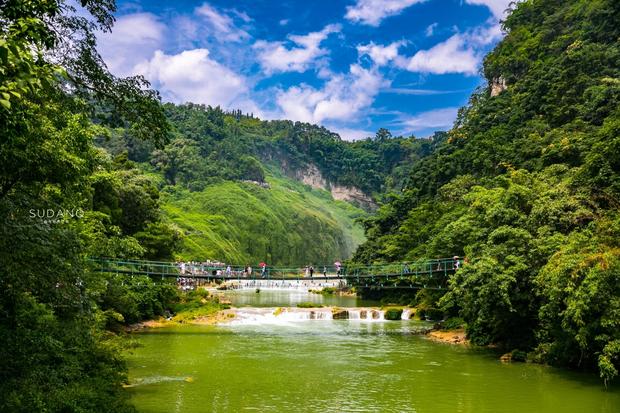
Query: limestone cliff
{"type": "Point", "coordinates": [311, 175]}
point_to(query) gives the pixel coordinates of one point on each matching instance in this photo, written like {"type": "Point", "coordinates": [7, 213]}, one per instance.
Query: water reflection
{"type": "Point", "coordinates": [290, 298]}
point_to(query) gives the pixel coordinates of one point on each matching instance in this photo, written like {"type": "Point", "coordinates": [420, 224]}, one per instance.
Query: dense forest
{"type": "Point", "coordinates": [94, 165]}
{"type": "Point", "coordinates": [56, 349]}
{"type": "Point", "coordinates": [231, 186]}
{"type": "Point", "coordinates": [526, 187]}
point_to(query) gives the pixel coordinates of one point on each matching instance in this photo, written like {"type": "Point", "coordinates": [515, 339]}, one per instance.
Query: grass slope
{"type": "Point", "coordinates": [243, 223]}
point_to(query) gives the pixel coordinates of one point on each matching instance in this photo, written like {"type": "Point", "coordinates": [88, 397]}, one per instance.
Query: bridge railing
{"type": "Point", "coordinates": [406, 273]}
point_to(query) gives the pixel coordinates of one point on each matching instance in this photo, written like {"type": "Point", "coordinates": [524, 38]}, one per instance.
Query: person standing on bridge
{"type": "Point", "coordinates": [263, 269]}
{"type": "Point", "coordinates": [228, 270]}
{"type": "Point", "coordinates": [325, 271]}
{"type": "Point", "coordinates": [307, 271]}
{"type": "Point", "coordinates": [311, 271]}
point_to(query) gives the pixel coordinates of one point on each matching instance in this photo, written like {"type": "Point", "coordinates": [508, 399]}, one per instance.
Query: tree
{"type": "Point", "coordinates": [54, 354]}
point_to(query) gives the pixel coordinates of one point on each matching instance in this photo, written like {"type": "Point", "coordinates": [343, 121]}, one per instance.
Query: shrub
{"type": "Point", "coordinates": [453, 323]}
{"type": "Point", "coordinates": [393, 313]}
{"type": "Point", "coordinates": [308, 304]}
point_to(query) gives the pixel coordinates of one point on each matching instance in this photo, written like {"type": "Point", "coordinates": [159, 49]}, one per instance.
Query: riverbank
{"type": "Point", "coordinates": [210, 319]}
{"type": "Point", "coordinates": [456, 336]}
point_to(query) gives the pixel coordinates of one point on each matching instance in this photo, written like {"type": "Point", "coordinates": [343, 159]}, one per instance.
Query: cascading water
{"type": "Point", "coordinates": [354, 314]}
{"type": "Point", "coordinates": [251, 316]}
{"type": "Point", "coordinates": [284, 315]}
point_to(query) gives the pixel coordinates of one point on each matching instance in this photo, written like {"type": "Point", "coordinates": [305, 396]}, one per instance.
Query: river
{"type": "Point", "coordinates": [287, 365]}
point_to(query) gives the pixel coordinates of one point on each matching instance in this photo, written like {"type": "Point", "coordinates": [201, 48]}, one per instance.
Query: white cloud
{"type": "Point", "coordinates": [420, 92]}
{"type": "Point", "coordinates": [192, 76]}
{"type": "Point", "coordinates": [497, 7]}
{"type": "Point", "coordinates": [222, 25]}
{"type": "Point", "coordinates": [432, 119]}
{"type": "Point", "coordinates": [430, 29]}
{"type": "Point", "coordinates": [450, 56]}
{"type": "Point", "coordinates": [277, 57]}
{"type": "Point", "coordinates": [341, 98]}
{"type": "Point", "coordinates": [460, 53]}
{"type": "Point", "coordinates": [350, 134]}
{"type": "Point", "coordinates": [371, 12]}
{"type": "Point", "coordinates": [380, 54]}
{"type": "Point", "coordinates": [134, 39]}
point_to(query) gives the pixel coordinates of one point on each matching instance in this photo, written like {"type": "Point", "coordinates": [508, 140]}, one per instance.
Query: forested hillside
{"type": "Point", "coordinates": [527, 188]}
{"type": "Point", "coordinates": [242, 190]}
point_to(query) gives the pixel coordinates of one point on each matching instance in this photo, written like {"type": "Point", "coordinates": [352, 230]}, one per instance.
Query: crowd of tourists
{"type": "Point", "coordinates": [188, 271]}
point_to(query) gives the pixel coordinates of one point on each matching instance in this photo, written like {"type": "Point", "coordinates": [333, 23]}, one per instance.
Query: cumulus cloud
{"type": "Point", "coordinates": [460, 53]}
{"type": "Point", "coordinates": [380, 54]}
{"type": "Point", "coordinates": [497, 7]}
{"type": "Point", "coordinates": [432, 119]}
{"type": "Point", "coordinates": [222, 25]}
{"type": "Point", "coordinates": [192, 76]}
{"type": "Point", "coordinates": [341, 98]}
{"type": "Point", "coordinates": [278, 57]}
{"type": "Point", "coordinates": [372, 12]}
{"type": "Point", "coordinates": [451, 56]}
{"type": "Point", "coordinates": [134, 39]}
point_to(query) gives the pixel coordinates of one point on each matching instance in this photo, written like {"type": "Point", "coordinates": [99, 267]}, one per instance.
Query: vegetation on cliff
{"type": "Point", "coordinates": [230, 185]}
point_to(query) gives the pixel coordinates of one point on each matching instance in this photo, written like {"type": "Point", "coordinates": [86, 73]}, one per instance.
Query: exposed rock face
{"type": "Point", "coordinates": [313, 177]}
{"type": "Point", "coordinates": [498, 85]}
{"type": "Point", "coordinates": [353, 195]}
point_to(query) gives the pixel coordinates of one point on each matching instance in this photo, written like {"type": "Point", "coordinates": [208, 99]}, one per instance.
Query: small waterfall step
{"type": "Point", "coordinates": [279, 315]}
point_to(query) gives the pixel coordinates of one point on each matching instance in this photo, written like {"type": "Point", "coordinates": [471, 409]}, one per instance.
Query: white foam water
{"type": "Point", "coordinates": [255, 316]}
{"type": "Point", "coordinates": [286, 315]}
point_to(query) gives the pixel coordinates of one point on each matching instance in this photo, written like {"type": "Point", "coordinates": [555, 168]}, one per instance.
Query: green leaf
{"type": "Point", "coordinates": [4, 54]}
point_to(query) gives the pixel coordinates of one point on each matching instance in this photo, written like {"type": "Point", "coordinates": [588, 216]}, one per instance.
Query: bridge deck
{"type": "Point", "coordinates": [397, 275]}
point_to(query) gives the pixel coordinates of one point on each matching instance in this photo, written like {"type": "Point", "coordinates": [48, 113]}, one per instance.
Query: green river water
{"type": "Point", "coordinates": [272, 365]}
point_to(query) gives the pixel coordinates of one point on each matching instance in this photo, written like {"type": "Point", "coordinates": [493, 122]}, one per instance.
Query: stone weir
{"type": "Point", "coordinates": [254, 315]}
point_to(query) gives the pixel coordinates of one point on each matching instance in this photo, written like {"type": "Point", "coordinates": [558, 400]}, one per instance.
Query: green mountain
{"type": "Point", "coordinates": [526, 185]}
{"type": "Point", "coordinates": [282, 223]}
{"type": "Point", "coordinates": [241, 190]}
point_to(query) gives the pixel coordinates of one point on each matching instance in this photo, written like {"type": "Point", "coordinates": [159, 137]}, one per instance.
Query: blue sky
{"type": "Point", "coordinates": [353, 66]}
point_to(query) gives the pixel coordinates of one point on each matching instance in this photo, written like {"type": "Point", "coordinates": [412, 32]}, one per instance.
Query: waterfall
{"type": "Point", "coordinates": [378, 315]}
{"type": "Point", "coordinates": [354, 314]}
{"type": "Point", "coordinates": [253, 316]}
{"type": "Point", "coordinates": [286, 315]}
{"type": "Point", "coordinates": [406, 315]}
{"type": "Point", "coordinates": [321, 315]}
{"type": "Point", "coordinates": [366, 314]}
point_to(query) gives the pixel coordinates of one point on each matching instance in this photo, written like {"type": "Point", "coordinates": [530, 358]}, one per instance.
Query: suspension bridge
{"type": "Point", "coordinates": [432, 274]}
